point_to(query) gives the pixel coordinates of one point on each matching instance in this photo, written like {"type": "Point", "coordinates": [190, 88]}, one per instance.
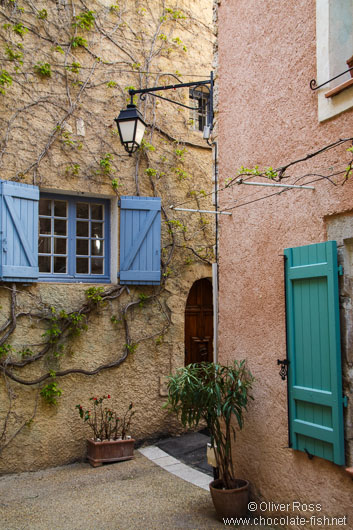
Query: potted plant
{"type": "Point", "coordinates": [110, 442]}
{"type": "Point", "coordinates": [216, 394]}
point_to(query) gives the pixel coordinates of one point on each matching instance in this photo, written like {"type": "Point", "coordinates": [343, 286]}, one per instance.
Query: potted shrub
{"type": "Point", "coordinates": [110, 442]}
{"type": "Point", "coordinates": [216, 394]}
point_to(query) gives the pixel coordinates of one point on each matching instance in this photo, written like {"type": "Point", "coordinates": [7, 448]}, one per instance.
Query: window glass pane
{"type": "Point", "coordinates": [82, 247]}
{"type": "Point", "coordinates": [44, 245]}
{"type": "Point", "coordinates": [97, 266]}
{"type": "Point", "coordinates": [59, 227]}
{"type": "Point", "coordinates": [97, 247]}
{"type": "Point", "coordinates": [44, 263]}
{"type": "Point", "coordinates": [44, 226]}
{"type": "Point", "coordinates": [59, 245]}
{"type": "Point", "coordinates": [45, 207]}
{"type": "Point", "coordinates": [60, 208]}
{"type": "Point", "coordinates": [96, 229]}
{"type": "Point", "coordinates": [82, 265]}
{"type": "Point", "coordinates": [97, 211]}
{"type": "Point", "coordinates": [82, 210]}
{"type": "Point", "coordinates": [59, 265]}
{"type": "Point", "coordinates": [82, 228]}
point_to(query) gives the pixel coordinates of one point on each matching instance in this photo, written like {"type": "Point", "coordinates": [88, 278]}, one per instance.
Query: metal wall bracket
{"type": "Point", "coordinates": [284, 368]}
{"type": "Point", "coordinates": [313, 83]}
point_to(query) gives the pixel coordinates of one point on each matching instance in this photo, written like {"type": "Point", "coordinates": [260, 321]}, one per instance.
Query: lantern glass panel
{"type": "Point", "coordinates": [127, 129]}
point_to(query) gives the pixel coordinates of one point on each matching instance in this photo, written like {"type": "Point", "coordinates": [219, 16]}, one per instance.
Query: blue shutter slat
{"type": "Point", "coordinates": [313, 339]}
{"type": "Point", "coordinates": [18, 231]}
{"type": "Point", "coordinates": [140, 240]}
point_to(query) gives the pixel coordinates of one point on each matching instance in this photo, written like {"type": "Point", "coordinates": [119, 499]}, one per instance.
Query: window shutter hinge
{"type": "Point", "coordinates": [340, 270]}
{"type": "Point", "coordinates": [119, 203]}
{"type": "Point", "coordinates": [345, 401]}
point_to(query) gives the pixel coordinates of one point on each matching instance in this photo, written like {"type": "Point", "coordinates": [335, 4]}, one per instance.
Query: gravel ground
{"type": "Point", "coordinates": [127, 495]}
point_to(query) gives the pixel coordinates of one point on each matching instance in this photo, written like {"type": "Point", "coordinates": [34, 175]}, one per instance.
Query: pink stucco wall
{"type": "Point", "coordinates": [268, 116]}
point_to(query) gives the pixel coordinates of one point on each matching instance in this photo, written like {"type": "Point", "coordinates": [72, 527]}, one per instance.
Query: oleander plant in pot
{"type": "Point", "coordinates": [218, 395]}
{"type": "Point", "coordinates": [111, 441]}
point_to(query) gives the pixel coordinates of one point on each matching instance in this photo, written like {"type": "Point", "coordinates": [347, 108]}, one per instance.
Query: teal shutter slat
{"type": "Point", "coordinates": [140, 240]}
{"type": "Point", "coordinates": [314, 353]}
{"type": "Point", "coordinates": [18, 231]}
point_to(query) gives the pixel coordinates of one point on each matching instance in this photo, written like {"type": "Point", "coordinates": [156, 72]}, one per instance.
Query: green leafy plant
{"type": "Point", "coordinates": [131, 348]}
{"type": "Point", "coordinates": [13, 54]}
{"type": "Point", "coordinates": [42, 14]}
{"type": "Point", "coordinates": [105, 423]}
{"type": "Point", "coordinates": [19, 29]}
{"type": "Point", "coordinates": [216, 394]}
{"type": "Point", "coordinates": [111, 84]}
{"type": "Point", "coordinates": [143, 297]}
{"type": "Point", "coordinates": [116, 184]}
{"type": "Point", "coordinates": [146, 146]}
{"type": "Point", "coordinates": [5, 350]}
{"type": "Point", "coordinates": [95, 294]}
{"type": "Point", "coordinates": [43, 69]}
{"type": "Point", "coordinates": [78, 41]}
{"type": "Point", "coordinates": [180, 173]}
{"type": "Point", "coordinates": [85, 20]}
{"type": "Point", "coordinates": [74, 67]}
{"type": "Point", "coordinates": [73, 170]}
{"type": "Point", "coordinates": [51, 392]}
{"type": "Point", "coordinates": [105, 163]}
{"type": "Point", "coordinates": [5, 80]}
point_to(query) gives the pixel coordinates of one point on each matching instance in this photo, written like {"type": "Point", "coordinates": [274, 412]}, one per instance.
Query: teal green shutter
{"type": "Point", "coordinates": [313, 339]}
{"type": "Point", "coordinates": [140, 240]}
{"type": "Point", "coordinates": [18, 231]}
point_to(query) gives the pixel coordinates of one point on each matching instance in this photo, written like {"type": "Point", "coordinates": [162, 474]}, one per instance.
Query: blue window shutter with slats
{"type": "Point", "coordinates": [140, 240]}
{"type": "Point", "coordinates": [18, 231]}
{"type": "Point", "coordinates": [315, 396]}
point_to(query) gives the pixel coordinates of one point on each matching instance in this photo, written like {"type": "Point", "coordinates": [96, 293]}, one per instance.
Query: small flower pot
{"type": "Point", "coordinates": [109, 451]}
{"type": "Point", "coordinates": [230, 503]}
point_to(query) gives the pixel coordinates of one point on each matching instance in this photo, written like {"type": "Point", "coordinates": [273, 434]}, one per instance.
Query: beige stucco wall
{"type": "Point", "coordinates": [123, 45]}
{"type": "Point", "coordinates": [267, 116]}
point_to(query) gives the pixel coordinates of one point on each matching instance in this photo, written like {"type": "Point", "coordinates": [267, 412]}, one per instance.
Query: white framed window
{"type": "Point", "coordinates": [200, 115]}
{"type": "Point", "coordinates": [334, 41]}
{"type": "Point", "coordinates": [73, 241]}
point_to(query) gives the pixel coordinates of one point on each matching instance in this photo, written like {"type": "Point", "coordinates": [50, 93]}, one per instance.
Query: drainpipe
{"type": "Point", "coordinates": [215, 265]}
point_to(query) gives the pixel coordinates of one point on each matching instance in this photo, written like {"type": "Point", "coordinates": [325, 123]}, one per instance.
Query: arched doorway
{"type": "Point", "coordinates": [199, 323]}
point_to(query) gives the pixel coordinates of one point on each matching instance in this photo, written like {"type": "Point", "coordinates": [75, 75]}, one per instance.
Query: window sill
{"type": "Point", "coordinates": [338, 89]}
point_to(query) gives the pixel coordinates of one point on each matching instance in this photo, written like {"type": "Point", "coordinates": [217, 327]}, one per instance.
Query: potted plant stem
{"type": "Point", "coordinates": [216, 394]}
{"type": "Point", "coordinates": [110, 442]}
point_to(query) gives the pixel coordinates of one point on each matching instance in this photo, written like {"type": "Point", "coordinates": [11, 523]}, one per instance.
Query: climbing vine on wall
{"type": "Point", "coordinates": [66, 67]}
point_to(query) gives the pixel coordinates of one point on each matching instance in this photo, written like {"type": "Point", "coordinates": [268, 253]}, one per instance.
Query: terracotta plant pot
{"type": "Point", "coordinates": [230, 503]}
{"type": "Point", "coordinates": [109, 451]}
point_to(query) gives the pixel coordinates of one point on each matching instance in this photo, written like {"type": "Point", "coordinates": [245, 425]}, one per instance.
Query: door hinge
{"type": "Point", "coordinates": [345, 401]}
{"type": "Point", "coordinates": [340, 270]}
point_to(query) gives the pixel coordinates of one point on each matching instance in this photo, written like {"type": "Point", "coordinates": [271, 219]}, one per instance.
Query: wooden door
{"type": "Point", "coordinates": [199, 323]}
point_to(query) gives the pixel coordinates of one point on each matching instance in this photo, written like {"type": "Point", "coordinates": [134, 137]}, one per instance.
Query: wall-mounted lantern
{"type": "Point", "coordinates": [131, 125]}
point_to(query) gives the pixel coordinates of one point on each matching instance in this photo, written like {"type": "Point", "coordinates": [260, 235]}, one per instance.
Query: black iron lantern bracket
{"type": "Point", "coordinates": [195, 84]}
{"type": "Point", "coordinates": [313, 84]}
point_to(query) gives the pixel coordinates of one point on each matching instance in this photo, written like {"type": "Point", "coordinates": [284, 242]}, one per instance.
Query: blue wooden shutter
{"type": "Point", "coordinates": [140, 240]}
{"type": "Point", "coordinates": [313, 336]}
{"type": "Point", "coordinates": [18, 231]}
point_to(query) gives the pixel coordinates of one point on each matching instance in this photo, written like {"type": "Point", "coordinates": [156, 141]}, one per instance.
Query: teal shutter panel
{"type": "Point", "coordinates": [140, 240]}
{"type": "Point", "coordinates": [18, 231]}
{"type": "Point", "coordinates": [313, 337]}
